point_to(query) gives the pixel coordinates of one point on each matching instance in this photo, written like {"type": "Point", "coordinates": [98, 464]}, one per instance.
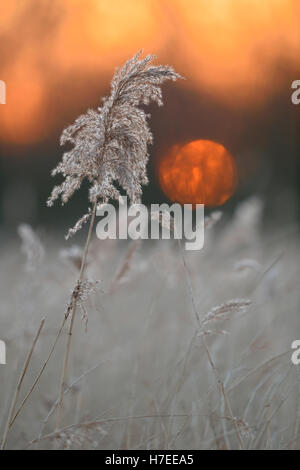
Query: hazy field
{"type": "Point", "coordinates": [139, 377]}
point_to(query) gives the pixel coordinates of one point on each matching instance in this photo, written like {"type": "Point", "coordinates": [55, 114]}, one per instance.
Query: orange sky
{"type": "Point", "coordinates": [226, 48]}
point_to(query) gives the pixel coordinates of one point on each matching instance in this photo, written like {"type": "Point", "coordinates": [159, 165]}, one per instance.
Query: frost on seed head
{"type": "Point", "coordinates": [109, 144]}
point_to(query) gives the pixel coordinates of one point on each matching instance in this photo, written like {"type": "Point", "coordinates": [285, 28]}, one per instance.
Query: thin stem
{"type": "Point", "coordinates": [210, 359]}
{"type": "Point", "coordinates": [18, 388]}
{"type": "Point", "coordinates": [40, 373]}
{"type": "Point", "coordinates": [268, 433]}
{"type": "Point", "coordinates": [73, 312]}
{"type": "Point", "coordinates": [55, 404]}
{"type": "Point", "coordinates": [88, 424]}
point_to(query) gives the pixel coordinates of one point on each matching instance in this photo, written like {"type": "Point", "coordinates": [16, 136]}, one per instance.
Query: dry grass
{"type": "Point", "coordinates": [140, 376]}
{"type": "Point", "coordinates": [109, 147]}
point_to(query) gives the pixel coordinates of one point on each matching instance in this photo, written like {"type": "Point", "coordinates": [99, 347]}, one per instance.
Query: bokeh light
{"type": "Point", "coordinates": [199, 172]}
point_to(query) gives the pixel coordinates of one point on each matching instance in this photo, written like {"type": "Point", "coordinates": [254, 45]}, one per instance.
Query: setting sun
{"type": "Point", "coordinates": [200, 172]}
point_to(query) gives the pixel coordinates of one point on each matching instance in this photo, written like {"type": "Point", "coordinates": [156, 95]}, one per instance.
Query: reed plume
{"type": "Point", "coordinates": [109, 146]}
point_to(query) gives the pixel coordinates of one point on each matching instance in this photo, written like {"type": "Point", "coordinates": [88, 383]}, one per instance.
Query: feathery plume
{"type": "Point", "coordinates": [225, 310]}
{"type": "Point", "coordinates": [31, 246]}
{"type": "Point", "coordinates": [110, 143]}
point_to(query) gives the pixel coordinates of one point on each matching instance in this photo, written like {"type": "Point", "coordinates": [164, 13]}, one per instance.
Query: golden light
{"type": "Point", "coordinates": [199, 172]}
{"type": "Point", "coordinates": [228, 49]}
{"type": "Point", "coordinates": [22, 117]}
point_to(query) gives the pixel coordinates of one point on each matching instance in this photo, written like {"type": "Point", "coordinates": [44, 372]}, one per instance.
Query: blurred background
{"type": "Point", "coordinates": [141, 363]}
{"type": "Point", "coordinates": [239, 60]}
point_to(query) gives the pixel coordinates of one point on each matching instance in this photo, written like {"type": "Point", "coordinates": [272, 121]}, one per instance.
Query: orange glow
{"type": "Point", "coordinates": [102, 34]}
{"type": "Point", "coordinates": [231, 46]}
{"type": "Point", "coordinates": [226, 48]}
{"type": "Point", "coordinates": [200, 172]}
{"type": "Point", "coordinates": [22, 116]}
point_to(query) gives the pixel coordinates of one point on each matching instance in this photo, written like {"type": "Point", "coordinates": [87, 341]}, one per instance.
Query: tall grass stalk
{"type": "Point", "coordinates": [73, 313]}
{"type": "Point", "coordinates": [109, 146]}
{"type": "Point", "coordinates": [206, 348]}
{"type": "Point", "coordinates": [18, 388]}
